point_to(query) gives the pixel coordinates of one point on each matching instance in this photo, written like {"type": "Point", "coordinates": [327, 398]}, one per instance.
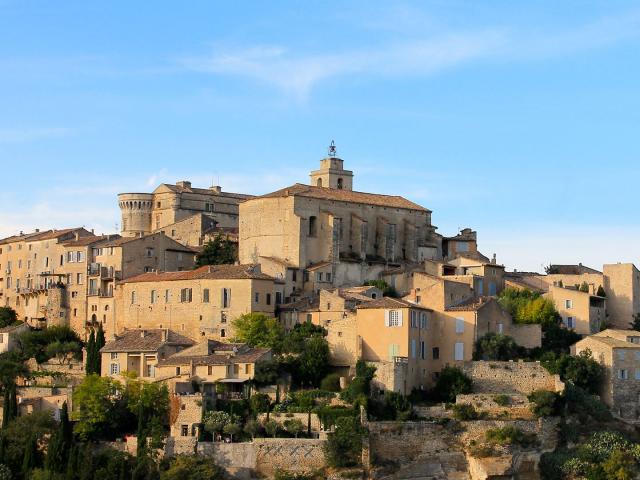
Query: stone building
{"type": "Point", "coordinates": [167, 205]}
{"type": "Point", "coordinates": [197, 303]}
{"type": "Point", "coordinates": [326, 235]}
{"type": "Point", "coordinates": [138, 351]}
{"type": "Point", "coordinates": [619, 352]}
{"type": "Point", "coordinates": [9, 335]}
{"type": "Point", "coordinates": [582, 312]}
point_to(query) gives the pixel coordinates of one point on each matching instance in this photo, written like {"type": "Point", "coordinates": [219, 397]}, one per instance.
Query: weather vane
{"type": "Point", "coordinates": [332, 149]}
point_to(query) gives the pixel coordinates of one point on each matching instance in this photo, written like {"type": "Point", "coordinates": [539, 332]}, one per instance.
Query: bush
{"type": "Point", "coordinates": [286, 475]}
{"type": "Point", "coordinates": [509, 435]}
{"type": "Point", "coordinates": [495, 346]}
{"type": "Point", "coordinates": [482, 451]}
{"type": "Point", "coordinates": [331, 383]}
{"type": "Point", "coordinates": [585, 405]}
{"type": "Point", "coordinates": [502, 400]}
{"type": "Point", "coordinates": [465, 412]}
{"type": "Point", "coordinates": [192, 467]}
{"type": "Point", "coordinates": [361, 385]}
{"type": "Point", "coordinates": [344, 445]}
{"type": "Point", "coordinates": [451, 382]}
{"type": "Point", "coordinates": [545, 403]}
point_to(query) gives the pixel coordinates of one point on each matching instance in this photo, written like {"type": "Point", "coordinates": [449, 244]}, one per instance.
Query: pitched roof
{"type": "Point", "coordinates": [571, 269]}
{"type": "Point", "coordinates": [304, 304]}
{"type": "Point", "coordinates": [86, 241]}
{"type": "Point", "coordinates": [51, 234]}
{"type": "Point", "coordinates": [388, 303]}
{"type": "Point", "coordinates": [612, 342]}
{"type": "Point", "coordinates": [18, 238]}
{"type": "Point", "coordinates": [145, 340]}
{"type": "Point", "coordinates": [208, 272]}
{"type": "Point", "coordinates": [118, 242]}
{"type": "Point", "coordinates": [212, 352]}
{"type": "Point", "coordinates": [470, 305]}
{"type": "Point", "coordinates": [206, 191]}
{"type": "Point", "coordinates": [301, 190]}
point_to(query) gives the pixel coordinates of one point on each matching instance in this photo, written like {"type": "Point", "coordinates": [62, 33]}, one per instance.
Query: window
{"type": "Point", "coordinates": [500, 328]}
{"type": "Point", "coordinates": [318, 276]}
{"type": "Point", "coordinates": [621, 354]}
{"type": "Point", "coordinates": [394, 318]}
{"type": "Point", "coordinates": [313, 226]}
{"type": "Point", "coordinates": [423, 320]}
{"type": "Point", "coordinates": [422, 350]}
{"type": "Point", "coordinates": [166, 296]}
{"type": "Point", "coordinates": [247, 368]}
{"type": "Point", "coordinates": [637, 355]}
{"type": "Point", "coordinates": [328, 277]}
{"type": "Point", "coordinates": [184, 430]}
{"type": "Point", "coordinates": [114, 369]}
{"type": "Point", "coordinates": [114, 355]}
{"type": "Point", "coordinates": [459, 325]}
{"type": "Point", "coordinates": [205, 295]}
{"type": "Point", "coordinates": [179, 257]}
{"type": "Point", "coordinates": [309, 317]}
{"type": "Point", "coordinates": [623, 374]}
{"type": "Point", "coordinates": [637, 373]}
{"type": "Point", "coordinates": [186, 295]}
{"type": "Point", "coordinates": [458, 351]}
{"type": "Point", "coordinates": [79, 278]}
{"type": "Point", "coordinates": [80, 256]}
{"type": "Point", "coordinates": [223, 317]}
{"type": "Point", "coordinates": [413, 348]}
{"type": "Point", "coordinates": [223, 333]}
{"type": "Point", "coordinates": [1, 338]}
{"type": "Point", "coordinates": [257, 297]}
{"type": "Point", "coordinates": [394, 350]}
{"type": "Point", "coordinates": [568, 304]}
{"type": "Point", "coordinates": [294, 275]}
{"type": "Point", "coordinates": [278, 298]}
{"type": "Point", "coordinates": [414, 320]}
{"type": "Point", "coordinates": [151, 370]}
{"type": "Point", "coordinates": [149, 252]}
{"type": "Point", "coordinates": [226, 297]}
{"type": "Point", "coordinates": [339, 184]}
{"type": "Point", "coordinates": [70, 257]}
{"type": "Point", "coordinates": [268, 299]}
{"type": "Point", "coordinates": [177, 370]}
{"type": "Point", "coordinates": [154, 296]}
{"type": "Point", "coordinates": [571, 322]}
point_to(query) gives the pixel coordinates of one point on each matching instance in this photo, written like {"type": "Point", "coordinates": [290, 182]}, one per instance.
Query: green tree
{"type": "Point", "coordinates": [293, 426]}
{"type": "Point", "coordinates": [260, 403]}
{"type": "Point", "coordinates": [271, 427]}
{"type": "Point", "coordinates": [218, 251]}
{"type": "Point", "coordinates": [90, 366]}
{"type": "Point", "coordinates": [387, 290]}
{"type": "Point", "coordinates": [33, 343]}
{"type": "Point", "coordinates": [451, 382]}
{"type": "Point", "coordinates": [296, 340]}
{"type": "Point", "coordinates": [584, 287]}
{"type": "Point", "coordinates": [18, 434]}
{"type": "Point", "coordinates": [620, 466]}
{"type": "Point", "coordinates": [192, 467]}
{"type": "Point", "coordinates": [8, 317]}
{"type": "Point", "coordinates": [100, 342]}
{"type": "Point", "coordinates": [11, 367]}
{"type": "Point", "coordinates": [544, 403]}
{"type": "Point", "coordinates": [331, 383]}
{"type": "Point", "coordinates": [360, 386]}
{"type": "Point", "coordinates": [252, 428]}
{"type": "Point", "coordinates": [259, 330]}
{"type": "Point", "coordinates": [60, 444]}
{"type": "Point", "coordinates": [63, 352]}
{"type": "Point", "coordinates": [94, 399]}
{"type": "Point", "coordinates": [495, 346]}
{"type": "Point", "coordinates": [600, 292]}
{"type": "Point", "coordinates": [30, 458]}
{"type": "Point", "coordinates": [232, 429]}
{"type": "Point", "coordinates": [344, 444]}
{"type": "Point", "coordinates": [313, 363]}
{"type": "Point", "coordinates": [215, 421]}
{"type": "Point", "coordinates": [581, 370]}
{"type": "Point", "coordinates": [635, 324]}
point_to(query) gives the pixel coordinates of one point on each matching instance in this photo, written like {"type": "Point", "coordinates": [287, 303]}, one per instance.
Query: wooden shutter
{"type": "Point", "coordinates": [386, 318]}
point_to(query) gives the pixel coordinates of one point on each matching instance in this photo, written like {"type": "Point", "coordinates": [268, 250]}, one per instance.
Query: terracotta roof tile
{"type": "Point", "coordinates": [301, 190]}
{"type": "Point", "coordinates": [210, 272]}
{"type": "Point", "coordinates": [470, 305]}
{"type": "Point", "coordinates": [153, 338]}
{"type": "Point", "coordinates": [388, 302]}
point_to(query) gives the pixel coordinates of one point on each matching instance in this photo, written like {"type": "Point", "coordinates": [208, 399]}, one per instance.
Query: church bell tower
{"type": "Point", "coordinates": [331, 173]}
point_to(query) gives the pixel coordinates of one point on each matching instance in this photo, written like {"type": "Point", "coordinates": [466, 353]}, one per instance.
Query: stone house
{"type": "Point", "coordinates": [221, 370]}
{"type": "Point", "coordinates": [139, 351]}
{"type": "Point", "coordinates": [582, 312]}
{"type": "Point", "coordinates": [8, 336]}
{"type": "Point", "coordinates": [619, 352]}
{"type": "Point", "coordinates": [197, 303]}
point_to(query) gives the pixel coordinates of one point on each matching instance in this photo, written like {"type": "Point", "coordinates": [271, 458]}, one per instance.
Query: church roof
{"type": "Point", "coordinates": [322, 193]}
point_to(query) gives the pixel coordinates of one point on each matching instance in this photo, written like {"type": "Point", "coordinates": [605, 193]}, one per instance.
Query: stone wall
{"type": "Point", "coordinates": [266, 455]}
{"type": "Point", "coordinates": [518, 406]}
{"type": "Point", "coordinates": [511, 377]}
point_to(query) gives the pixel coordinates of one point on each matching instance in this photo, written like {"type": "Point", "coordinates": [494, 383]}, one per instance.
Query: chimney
{"type": "Point", "coordinates": [92, 232]}
{"type": "Point", "coordinates": [184, 184]}
{"type": "Point", "coordinates": [22, 233]}
{"type": "Point", "coordinates": [143, 333]}
{"type": "Point", "coordinates": [37, 230]}
{"type": "Point", "coordinates": [165, 334]}
{"type": "Point", "coordinates": [217, 189]}
{"type": "Point", "coordinates": [77, 235]}
{"type": "Point", "coordinates": [493, 260]}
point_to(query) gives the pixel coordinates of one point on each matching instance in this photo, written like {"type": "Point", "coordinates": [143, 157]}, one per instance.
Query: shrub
{"type": "Point", "coordinates": [344, 445]}
{"type": "Point", "coordinates": [502, 400]}
{"type": "Point", "coordinates": [451, 382]}
{"type": "Point", "coordinates": [495, 346]}
{"type": "Point", "coordinates": [544, 403]}
{"type": "Point", "coordinates": [482, 451]}
{"type": "Point", "coordinates": [464, 412]}
{"type": "Point", "coordinates": [509, 435]}
{"type": "Point", "coordinates": [286, 475]}
{"type": "Point", "coordinates": [331, 383]}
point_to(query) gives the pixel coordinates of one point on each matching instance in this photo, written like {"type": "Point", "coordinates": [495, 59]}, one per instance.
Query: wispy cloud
{"type": "Point", "coordinates": [23, 135]}
{"type": "Point", "coordinates": [298, 74]}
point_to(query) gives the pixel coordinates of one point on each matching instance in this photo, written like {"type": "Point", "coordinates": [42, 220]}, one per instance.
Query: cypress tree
{"type": "Point", "coordinates": [66, 427]}
{"type": "Point", "coordinates": [60, 444]}
{"type": "Point", "coordinates": [10, 405]}
{"type": "Point", "coordinates": [29, 461]}
{"type": "Point", "coordinates": [91, 349]}
{"type": "Point", "coordinates": [100, 342]}
{"type": "Point", "coordinates": [72, 464]}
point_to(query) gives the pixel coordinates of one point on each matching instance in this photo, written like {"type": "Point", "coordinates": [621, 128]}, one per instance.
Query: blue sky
{"type": "Point", "coordinates": [519, 119]}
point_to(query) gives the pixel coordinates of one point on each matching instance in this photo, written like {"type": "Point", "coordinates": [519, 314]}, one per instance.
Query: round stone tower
{"type": "Point", "coordinates": [136, 213]}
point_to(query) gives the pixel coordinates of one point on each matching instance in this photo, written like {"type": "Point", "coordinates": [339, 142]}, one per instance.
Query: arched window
{"type": "Point", "coordinates": [319, 182]}
{"type": "Point", "coordinates": [313, 226]}
{"type": "Point", "coordinates": [339, 184]}
{"type": "Point", "coordinates": [94, 318]}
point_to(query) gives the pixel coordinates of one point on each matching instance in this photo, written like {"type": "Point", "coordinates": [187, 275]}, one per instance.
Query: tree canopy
{"type": "Point", "coordinates": [259, 330]}
{"type": "Point", "coordinates": [495, 346]}
{"type": "Point", "coordinates": [218, 251]}
{"type": "Point", "coordinates": [581, 370]}
{"type": "Point", "coordinates": [8, 317]}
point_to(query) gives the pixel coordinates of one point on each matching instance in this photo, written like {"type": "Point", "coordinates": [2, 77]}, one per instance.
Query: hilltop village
{"type": "Point", "coordinates": [311, 332]}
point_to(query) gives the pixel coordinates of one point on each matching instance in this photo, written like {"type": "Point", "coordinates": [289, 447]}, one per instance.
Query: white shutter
{"type": "Point", "coordinates": [399, 318]}
{"type": "Point", "coordinates": [413, 348]}
{"type": "Point", "coordinates": [386, 318]}
{"type": "Point", "coordinates": [459, 325]}
{"type": "Point", "coordinates": [459, 351]}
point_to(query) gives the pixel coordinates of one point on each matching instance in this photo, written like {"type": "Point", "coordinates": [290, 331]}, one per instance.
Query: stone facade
{"type": "Point", "coordinates": [580, 311]}
{"type": "Point", "coordinates": [511, 377]}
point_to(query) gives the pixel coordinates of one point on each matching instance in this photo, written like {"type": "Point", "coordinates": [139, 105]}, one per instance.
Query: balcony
{"type": "Point", "coordinates": [100, 292]}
